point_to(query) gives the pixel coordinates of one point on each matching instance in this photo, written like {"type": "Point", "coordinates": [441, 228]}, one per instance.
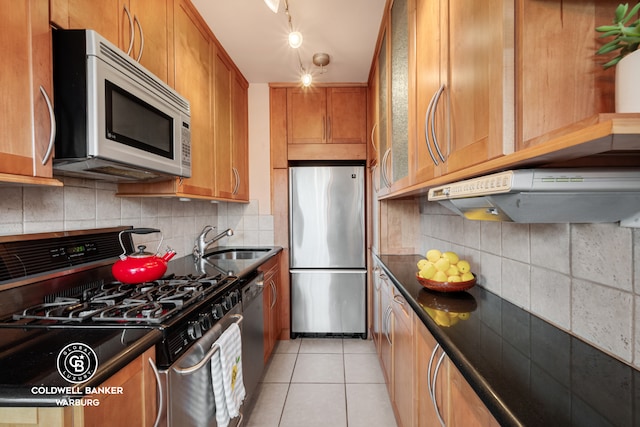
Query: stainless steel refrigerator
{"type": "Point", "coordinates": [327, 250]}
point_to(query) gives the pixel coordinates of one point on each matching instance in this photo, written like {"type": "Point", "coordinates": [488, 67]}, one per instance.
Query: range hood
{"type": "Point", "coordinates": [547, 196]}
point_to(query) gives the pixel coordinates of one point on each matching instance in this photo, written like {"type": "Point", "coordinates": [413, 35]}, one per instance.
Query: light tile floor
{"type": "Point", "coordinates": [322, 382]}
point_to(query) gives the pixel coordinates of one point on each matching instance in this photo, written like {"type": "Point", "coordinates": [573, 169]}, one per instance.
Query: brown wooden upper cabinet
{"type": "Point", "coordinates": [26, 85]}
{"type": "Point", "coordinates": [142, 28]}
{"type": "Point", "coordinates": [335, 115]}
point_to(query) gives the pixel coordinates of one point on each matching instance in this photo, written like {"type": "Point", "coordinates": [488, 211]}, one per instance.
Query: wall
{"type": "Point", "coordinates": [583, 278]}
{"type": "Point", "coordinates": [86, 204]}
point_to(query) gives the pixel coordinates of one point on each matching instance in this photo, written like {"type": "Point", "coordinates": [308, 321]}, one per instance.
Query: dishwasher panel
{"type": "Point", "coordinates": [253, 334]}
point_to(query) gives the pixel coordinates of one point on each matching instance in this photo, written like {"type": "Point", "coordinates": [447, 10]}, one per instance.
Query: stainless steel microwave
{"type": "Point", "coordinates": [115, 120]}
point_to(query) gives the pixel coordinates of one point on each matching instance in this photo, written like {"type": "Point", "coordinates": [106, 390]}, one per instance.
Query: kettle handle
{"type": "Point", "coordinates": [138, 231]}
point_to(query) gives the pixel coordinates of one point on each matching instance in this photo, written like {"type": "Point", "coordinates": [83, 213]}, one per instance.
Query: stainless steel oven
{"type": "Point", "coordinates": [60, 285]}
{"type": "Point", "coordinates": [186, 396]}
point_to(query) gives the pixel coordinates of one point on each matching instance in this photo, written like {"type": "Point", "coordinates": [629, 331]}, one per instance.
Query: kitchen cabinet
{"type": "Point", "coordinates": [396, 349]}
{"type": "Point", "coordinates": [142, 28]}
{"type": "Point", "coordinates": [394, 95]}
{"type": "Point", "coordinates": [217, 93]}
{"type": "Point", "coordinates": [27, 104]}
{"type": "Point", "coordinates": [333, 115]}
{"type": "Point", "coordinates": [230, 131]}
{"type": "Point", "coordinates": [443, 396]}
{"type": "Point", "coordinates": [136, 406]}
{"type": "Point", "coordinates": [464, 84]}
{"type": "Point", "coordinates": [272, 284]}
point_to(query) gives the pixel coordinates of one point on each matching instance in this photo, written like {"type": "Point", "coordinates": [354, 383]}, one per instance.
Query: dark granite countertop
{"type": "Point", "coordinates": [527, 371]}
{"type": "Point", "coordinates": [30, 377]}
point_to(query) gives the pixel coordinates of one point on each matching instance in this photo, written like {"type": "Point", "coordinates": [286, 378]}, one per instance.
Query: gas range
{"type": "Point", "coordinates": [64, 281]}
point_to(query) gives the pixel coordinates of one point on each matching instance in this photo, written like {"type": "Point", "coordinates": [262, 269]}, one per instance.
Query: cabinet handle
{"type": "Point", "coordinates": [52, 121]}
{"type": "Point", "coordinates": [389, 311]}
{"type": "Point", "coordinates": [398, 299]}
{"type": "Point", "coordinates": [131, 29]}
{"type": "Point", "coordinates": [160, 395]}
{"type": "Point", "coordinates": [135, 19]}
{"type": "Point", "coordinates": [236, 176]}
{"type": "Point", "coordinates": [433, 126]}
{"type": "Point", "coordinates": [435, 380]}
{"type": "Point", "coordinates": [373, 142]}
{"type": "Point", "coordinates": [426, 129]}
{"type": "Point", "coordinates": [324, 129]}
{"type": "Point", "coordinates": [275, 294]}
{"type": "Point", "coordinates": [384, 167]}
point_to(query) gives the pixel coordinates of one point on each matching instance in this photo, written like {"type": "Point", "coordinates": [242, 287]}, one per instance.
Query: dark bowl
{"type": "Point", "coordinates": [446, 286]}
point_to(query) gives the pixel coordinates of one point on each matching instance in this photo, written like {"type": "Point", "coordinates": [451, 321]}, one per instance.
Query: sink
{"type": "Point", "coordinates": [238, 254]}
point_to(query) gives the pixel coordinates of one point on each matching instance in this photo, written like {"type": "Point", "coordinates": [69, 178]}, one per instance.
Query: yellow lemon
{"type": "Point", "coordinates": [451, 256]}
{"type": "Point", "coordinates": [452, 271]}
{"type": "Point", "coordinates": [454, 279]}
{"type": "Point", "coordinates": [428, 272]}
{"type": "Point", "coordinates": [466, 276]}
{"type": "Point", "coordinates": [433, 255]}
{"type": "Point", "coordinates": [442, 264]}
{"type": "Point", "coordinates": [464, 316]}
{"type": "Point", "coordinates": [439, 276]}
{"type": "Point", "coordinates": [463, 266]}
{"type": "Point", "coordinates": [423, 263]}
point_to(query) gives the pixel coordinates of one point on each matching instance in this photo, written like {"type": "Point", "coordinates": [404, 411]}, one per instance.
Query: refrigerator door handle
{"type": "Point", "coordinates": [328, 270]}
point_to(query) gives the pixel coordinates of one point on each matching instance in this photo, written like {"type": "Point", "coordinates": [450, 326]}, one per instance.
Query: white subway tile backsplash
{"type": "Point", "coordinates": [604, 316]}
{"type": "Point", "coordinates": [602, 253]}
{"type": "Point", "coordinates": [43, 204]}
{"type": "Point", "coordinates": [584, 278]}
{"type": "Point", "coordinates": [551, 296]}
{"type": "Point", "coordinates": [11, 206]}
{"type": "Point", "coordinates": [550, 246]}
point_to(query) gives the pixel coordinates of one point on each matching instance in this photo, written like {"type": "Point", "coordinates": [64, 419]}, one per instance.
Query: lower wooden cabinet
{"type": "Point", "coordinates": [443, 396]}
{"type": "Point", "coordinates": [136, 406]}
{"type": "Point", "coordinates": [271, 303]}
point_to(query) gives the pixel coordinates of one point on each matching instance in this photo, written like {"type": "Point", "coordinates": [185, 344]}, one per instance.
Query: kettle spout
{"type": "Point", "coordinates": [168, 255]}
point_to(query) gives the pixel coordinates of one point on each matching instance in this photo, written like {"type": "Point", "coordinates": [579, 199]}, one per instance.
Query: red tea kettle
{"type": "Point", "coordinates": [141, 266]}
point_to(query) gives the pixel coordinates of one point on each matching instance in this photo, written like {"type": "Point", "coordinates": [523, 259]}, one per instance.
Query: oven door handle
{"type": "Point", "coordinates": [207, 357]}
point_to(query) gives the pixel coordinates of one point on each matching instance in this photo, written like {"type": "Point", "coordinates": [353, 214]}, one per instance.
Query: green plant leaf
{"type": "Point", "coordinates": [620, 12]}
{"type": "Point", "coordinates": [632, 13]}
{"type": "Point", "coordinates": [613, 62]}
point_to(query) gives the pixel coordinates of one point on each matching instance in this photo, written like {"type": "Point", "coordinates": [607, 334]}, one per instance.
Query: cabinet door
{"type": "Point", "coordinates": [136, 406]}
{"type": "Point", "coordinates": [240, 152]}
{"type": "Point", "coordinates": [222, 127]}
{"type": "Point", "coordinates": [425, 352]}
{"type": "Point", "coordinates": [384, 144]}
{"type": "Point", "coordinates": [153, 23]}
{"type": "Point", "coordinates": [431, 75]}
{"type": "Point", "coordinates": [376, 309]}
{"type": "Point", "coordinates": [481, 81]}
{"type": "Point", "coordinates": [193, 79]}
{"type": "Point", "coordinates": [346, 115]}
{"type": "Point", "coordinates": [466, 409]}
{"type": "Point", "coordinates": [307, 118]}
{"type": "Point", "coordinates": [140, 27]}
{"type": "Point", "coordinates": [399, 93]}
{"type": "Point", "coordinates": [25, 80]}
{"type": "Point", "coordinates": [386, 332]}
{"type": "Point", "coordinates": [402, 359]}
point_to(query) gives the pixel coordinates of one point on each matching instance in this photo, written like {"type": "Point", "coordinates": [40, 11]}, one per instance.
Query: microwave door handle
{"type": "Point", "coordinates": [131, 29]}
{"type": "Point", "coordinates": [52, 133]}
{"type": "Point", "coordinates": [137, 21]}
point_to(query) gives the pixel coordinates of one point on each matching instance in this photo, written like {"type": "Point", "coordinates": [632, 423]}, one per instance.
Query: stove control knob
{"type": "Point", "coordinates": [194, 331]}
{"type": "Point", "coordinates": [217, 312]}
{"type": "Point", "coordinates": [205, 321]}
{"type": "Point", "coordinates": [226, 303]}
{"type": "Point", "coordinates": [235, 297]}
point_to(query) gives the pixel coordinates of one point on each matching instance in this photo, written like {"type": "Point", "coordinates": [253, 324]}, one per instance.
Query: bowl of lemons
{"type": "Point", "coordinates": [447, 309]}
{"type": "Point", "coordinates": [445, 272]}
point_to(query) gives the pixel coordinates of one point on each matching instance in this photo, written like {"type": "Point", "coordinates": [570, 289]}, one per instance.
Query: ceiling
{"type": "Point", "coordinates": [256, 38]}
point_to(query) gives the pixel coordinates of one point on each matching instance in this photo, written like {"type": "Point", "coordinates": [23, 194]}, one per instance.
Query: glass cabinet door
{"type": "Point", "coordinates": [399, 89]}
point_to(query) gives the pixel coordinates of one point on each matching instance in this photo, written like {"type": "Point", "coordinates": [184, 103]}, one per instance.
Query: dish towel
{"type": "Point", "coordinates": [226, 375]}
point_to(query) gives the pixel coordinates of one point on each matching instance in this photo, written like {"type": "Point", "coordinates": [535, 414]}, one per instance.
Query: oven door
{"type": "Point", "coordinates": [189, 395]}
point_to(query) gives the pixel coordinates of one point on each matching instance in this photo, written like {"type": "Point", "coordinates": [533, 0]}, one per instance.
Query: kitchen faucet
{"type": "Point", "coordinates": [202, 244]}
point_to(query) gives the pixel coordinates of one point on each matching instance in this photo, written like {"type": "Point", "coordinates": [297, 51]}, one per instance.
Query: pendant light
{"type": "Point", "coordinates": [273, 5]}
